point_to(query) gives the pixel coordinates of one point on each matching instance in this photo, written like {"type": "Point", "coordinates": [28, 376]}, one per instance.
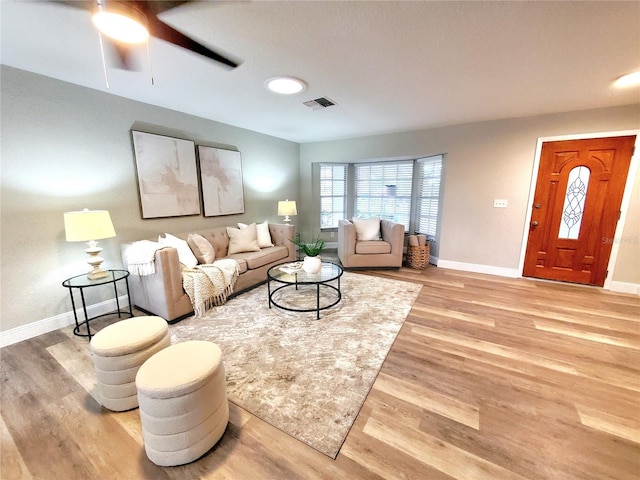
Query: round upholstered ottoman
{"type": "Point", "coordinates": [118, 351]}
{"type": "Point", "coordinates": [182, 395]}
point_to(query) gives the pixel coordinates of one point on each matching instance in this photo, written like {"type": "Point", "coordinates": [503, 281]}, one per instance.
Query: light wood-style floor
{"type": "Point", "coordinates": [490, 378]}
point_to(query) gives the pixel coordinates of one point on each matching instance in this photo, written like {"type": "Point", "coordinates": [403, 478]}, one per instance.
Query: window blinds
{"type": "Point", "coordinates": [384, 190]}
{"type": "Point", "coordinates": [428, 194]}
{"type": "Point", "coordinates": [333, 194]}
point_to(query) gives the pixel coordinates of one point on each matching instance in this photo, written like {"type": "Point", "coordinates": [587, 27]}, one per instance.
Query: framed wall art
{"type": "Point", "coordinates": [167, 175]}
{"type": "Point", "coordinates": [221, 179]}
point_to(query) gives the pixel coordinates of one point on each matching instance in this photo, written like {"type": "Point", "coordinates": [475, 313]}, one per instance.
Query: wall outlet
{"type": "Point", "coordinates": [500, 203]}
{"type": "Point", "coordinates": [333, 234]}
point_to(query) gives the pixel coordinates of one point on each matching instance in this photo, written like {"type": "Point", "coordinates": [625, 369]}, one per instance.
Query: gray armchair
{"type": "Point", "coordinates": [385, 253]}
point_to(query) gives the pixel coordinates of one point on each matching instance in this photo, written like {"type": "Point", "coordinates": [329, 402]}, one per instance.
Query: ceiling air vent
{"type": "Point", "coordinates": [318, 103]}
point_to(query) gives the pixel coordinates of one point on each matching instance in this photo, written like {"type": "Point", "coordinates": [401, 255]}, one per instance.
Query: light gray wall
{"type": "Point", "coordinates": [483, 161]}
{"type": "Point", "coordinates": [65, 148]}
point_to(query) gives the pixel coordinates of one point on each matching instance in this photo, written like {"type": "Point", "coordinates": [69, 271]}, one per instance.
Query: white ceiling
{"type": "Point", "coordinates": [390, 66]}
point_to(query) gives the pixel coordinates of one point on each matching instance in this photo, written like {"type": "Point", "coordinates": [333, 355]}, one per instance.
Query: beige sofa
{"type": "Point", "coordinates": [383, 253]}
{"type": "Point", "coordinates": [162, 293]}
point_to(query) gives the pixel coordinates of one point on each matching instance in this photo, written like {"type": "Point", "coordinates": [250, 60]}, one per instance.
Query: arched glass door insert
{"type": "Point", "coordinates": [573, 209]}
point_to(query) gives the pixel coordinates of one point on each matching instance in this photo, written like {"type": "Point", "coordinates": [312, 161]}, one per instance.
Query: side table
{"type": "Point", "coordinates": [80, 282]}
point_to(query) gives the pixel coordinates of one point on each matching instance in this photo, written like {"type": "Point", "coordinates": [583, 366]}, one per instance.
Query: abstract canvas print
{"type": "Point", "coordinates": [221, 178]}
{"type": "Point", "coordinates": [167, 175]}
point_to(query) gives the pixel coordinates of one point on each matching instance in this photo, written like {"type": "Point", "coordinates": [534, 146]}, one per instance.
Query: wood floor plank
{"type": "Point", "coordinates": [434, 452]}
{"type": "Point", "coordinates": [12, 466]}
{"type": "Point", "coordinates": [75, 358]}
{"type": "Point", "coordinates": [483, 320]}
{"type": "Point", "coordinates": [427, 399]}
{"type": "Point", "coordinates": [631, 341]}
{"type": "Point", "coordinates": [627, 428]}
{"type": "Point", "coordinates": [494, 349]}
{"type": "Point", "coordinates": [115, 451]}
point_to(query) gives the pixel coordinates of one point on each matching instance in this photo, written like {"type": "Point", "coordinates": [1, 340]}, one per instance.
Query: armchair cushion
{"type": "Point", "coordinates": [367, 229]}
{"type": "Point", "coordinates": [373, 247]}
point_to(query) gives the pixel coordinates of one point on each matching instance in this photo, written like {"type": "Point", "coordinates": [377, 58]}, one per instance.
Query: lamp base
{"type": "Point", "coordinates": [95, 260]}
{"type": "Point", "coordinates": [286, 219]}
{"type": "Point", "coordinates": [97, 274]}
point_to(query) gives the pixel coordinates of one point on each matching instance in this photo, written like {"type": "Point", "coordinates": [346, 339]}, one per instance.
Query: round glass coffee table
{"type": "Point", "coordinates": [297, 280]}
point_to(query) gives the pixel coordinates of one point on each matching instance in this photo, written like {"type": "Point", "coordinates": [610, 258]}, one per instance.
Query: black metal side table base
{"type": "Point", "coordinates": [80, 282]}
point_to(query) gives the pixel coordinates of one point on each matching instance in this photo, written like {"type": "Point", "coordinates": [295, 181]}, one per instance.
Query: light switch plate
{"type": "Point", "coordinates": [500, 203]}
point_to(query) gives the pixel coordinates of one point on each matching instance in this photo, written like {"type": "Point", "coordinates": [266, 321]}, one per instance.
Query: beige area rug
{"type": "Point", "coordinates": [304, 376]}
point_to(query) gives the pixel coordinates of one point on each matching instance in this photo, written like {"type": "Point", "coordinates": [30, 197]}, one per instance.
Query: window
{"type": "Point", "coordinates": [384, 190]}
{"type": "Point", "coordinates": [405, 191]}
{"type": "Point", "coordinates": [429, 171]}
{"type": "Point", "coordinates": [333, 194]}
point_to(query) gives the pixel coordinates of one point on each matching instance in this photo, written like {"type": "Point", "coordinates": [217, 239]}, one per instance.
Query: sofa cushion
{"type": "Point", "coordinates": [185, 255]}
{"type": "Point", "coordinates": [245, 240]}
{"type": "Point", "coordinates": [367, 229]}
{"type": "Point", "coordinates": [262, 229]}
{"type": "Point", "coordinates": [201, 248]}
{"type": "Point", "coordinates": [264, 257]}
{"type": "Point", "coordinates": [242, 264]}
{"type": "Point", "coordinates": [373, 247]}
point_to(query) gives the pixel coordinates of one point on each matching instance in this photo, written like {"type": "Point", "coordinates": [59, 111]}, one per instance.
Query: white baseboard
{"type": "Point", "coordinates": [619, 287]}
{"type": "Point", "coordinates": [25, 332]}
{"type": "Point", "coordinates": [625, 287]}
{"type": "Point", "coordinates": [477, 268]}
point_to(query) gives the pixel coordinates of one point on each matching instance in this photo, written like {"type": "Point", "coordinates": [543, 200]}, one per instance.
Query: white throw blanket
{"type": "Point", "coordinates": [141, 257]}
{"type": "Point", "coordinates": [209, 285]}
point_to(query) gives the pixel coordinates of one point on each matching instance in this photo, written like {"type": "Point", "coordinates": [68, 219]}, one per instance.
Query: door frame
{"type": "Point", "coordinates": [624, 206]}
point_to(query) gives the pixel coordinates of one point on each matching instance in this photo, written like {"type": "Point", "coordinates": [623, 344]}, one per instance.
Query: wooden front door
{"type": "Point", "coordinates": [576, 208]}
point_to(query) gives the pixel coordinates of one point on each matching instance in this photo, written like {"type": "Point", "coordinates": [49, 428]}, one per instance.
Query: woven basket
{"type": "Point", "coordinates": [418, 257]}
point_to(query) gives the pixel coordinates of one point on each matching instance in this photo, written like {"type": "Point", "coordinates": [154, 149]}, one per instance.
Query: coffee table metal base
{"type": "Point", "coordinates": [317, 308]}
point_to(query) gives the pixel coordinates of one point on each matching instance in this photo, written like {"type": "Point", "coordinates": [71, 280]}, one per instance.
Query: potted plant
{"type": "Point", "coordinates": [312, 262]}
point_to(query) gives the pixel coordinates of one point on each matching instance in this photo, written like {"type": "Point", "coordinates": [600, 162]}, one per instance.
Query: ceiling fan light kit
{"type": "Point", "coordinates": [629, 80]}
{"type": "Point", "coordinates": [286, 85]}
{"type": "Point", "coordinates": [121, 22]}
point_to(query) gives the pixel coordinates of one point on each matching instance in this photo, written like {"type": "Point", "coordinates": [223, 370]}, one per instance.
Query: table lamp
{"type": "Point", "coordinates": [89, 226]}
{"type": "Point", "coordinates": [286, 208]}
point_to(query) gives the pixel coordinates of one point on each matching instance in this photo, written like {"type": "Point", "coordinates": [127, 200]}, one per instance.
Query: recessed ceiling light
{"type": "Point", "coordinates": [285, 85]}
{"type": "Point", "coordinates": [629, 80]}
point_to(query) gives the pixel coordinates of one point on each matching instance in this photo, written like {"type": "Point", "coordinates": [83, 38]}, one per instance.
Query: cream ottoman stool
{"type": "Point", "coordinates": [118, 351]}
{"type": "Point", "coordinates": [183, 402]}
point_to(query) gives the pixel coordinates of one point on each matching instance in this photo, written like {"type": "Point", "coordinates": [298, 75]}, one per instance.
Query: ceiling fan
{"type": "Point", "coordinates": [129, 22]}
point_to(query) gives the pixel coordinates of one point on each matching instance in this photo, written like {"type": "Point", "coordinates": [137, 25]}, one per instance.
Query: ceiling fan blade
{"type": "Point", "coordinates": [161, 30]}
{"type": "Point", "coordinates": [159, 6]}
{"type": "Point", "coordinates": [123, 57]}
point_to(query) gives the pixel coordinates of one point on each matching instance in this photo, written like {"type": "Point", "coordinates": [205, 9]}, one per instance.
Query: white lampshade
{"type": "Point", "coordinates": [89, 226]}
{"type": "Point", "coordinates": [286, 208]}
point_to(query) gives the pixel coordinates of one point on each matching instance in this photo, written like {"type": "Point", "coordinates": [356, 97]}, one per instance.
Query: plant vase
{"type": "Point", "coordinates": [312, 265]}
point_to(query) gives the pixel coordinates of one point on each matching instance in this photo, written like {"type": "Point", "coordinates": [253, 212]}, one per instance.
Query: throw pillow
{"type": "Point", "coordinates": [245, 240]}
{"type": "Point", "coordinates": [264, 237]}
{"type": "Point", "coordinates": [367, 229]}
{"type": "Point", "coordinates": [201, 248]}
{"type": "Point", "coordinates": [185, 255]}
